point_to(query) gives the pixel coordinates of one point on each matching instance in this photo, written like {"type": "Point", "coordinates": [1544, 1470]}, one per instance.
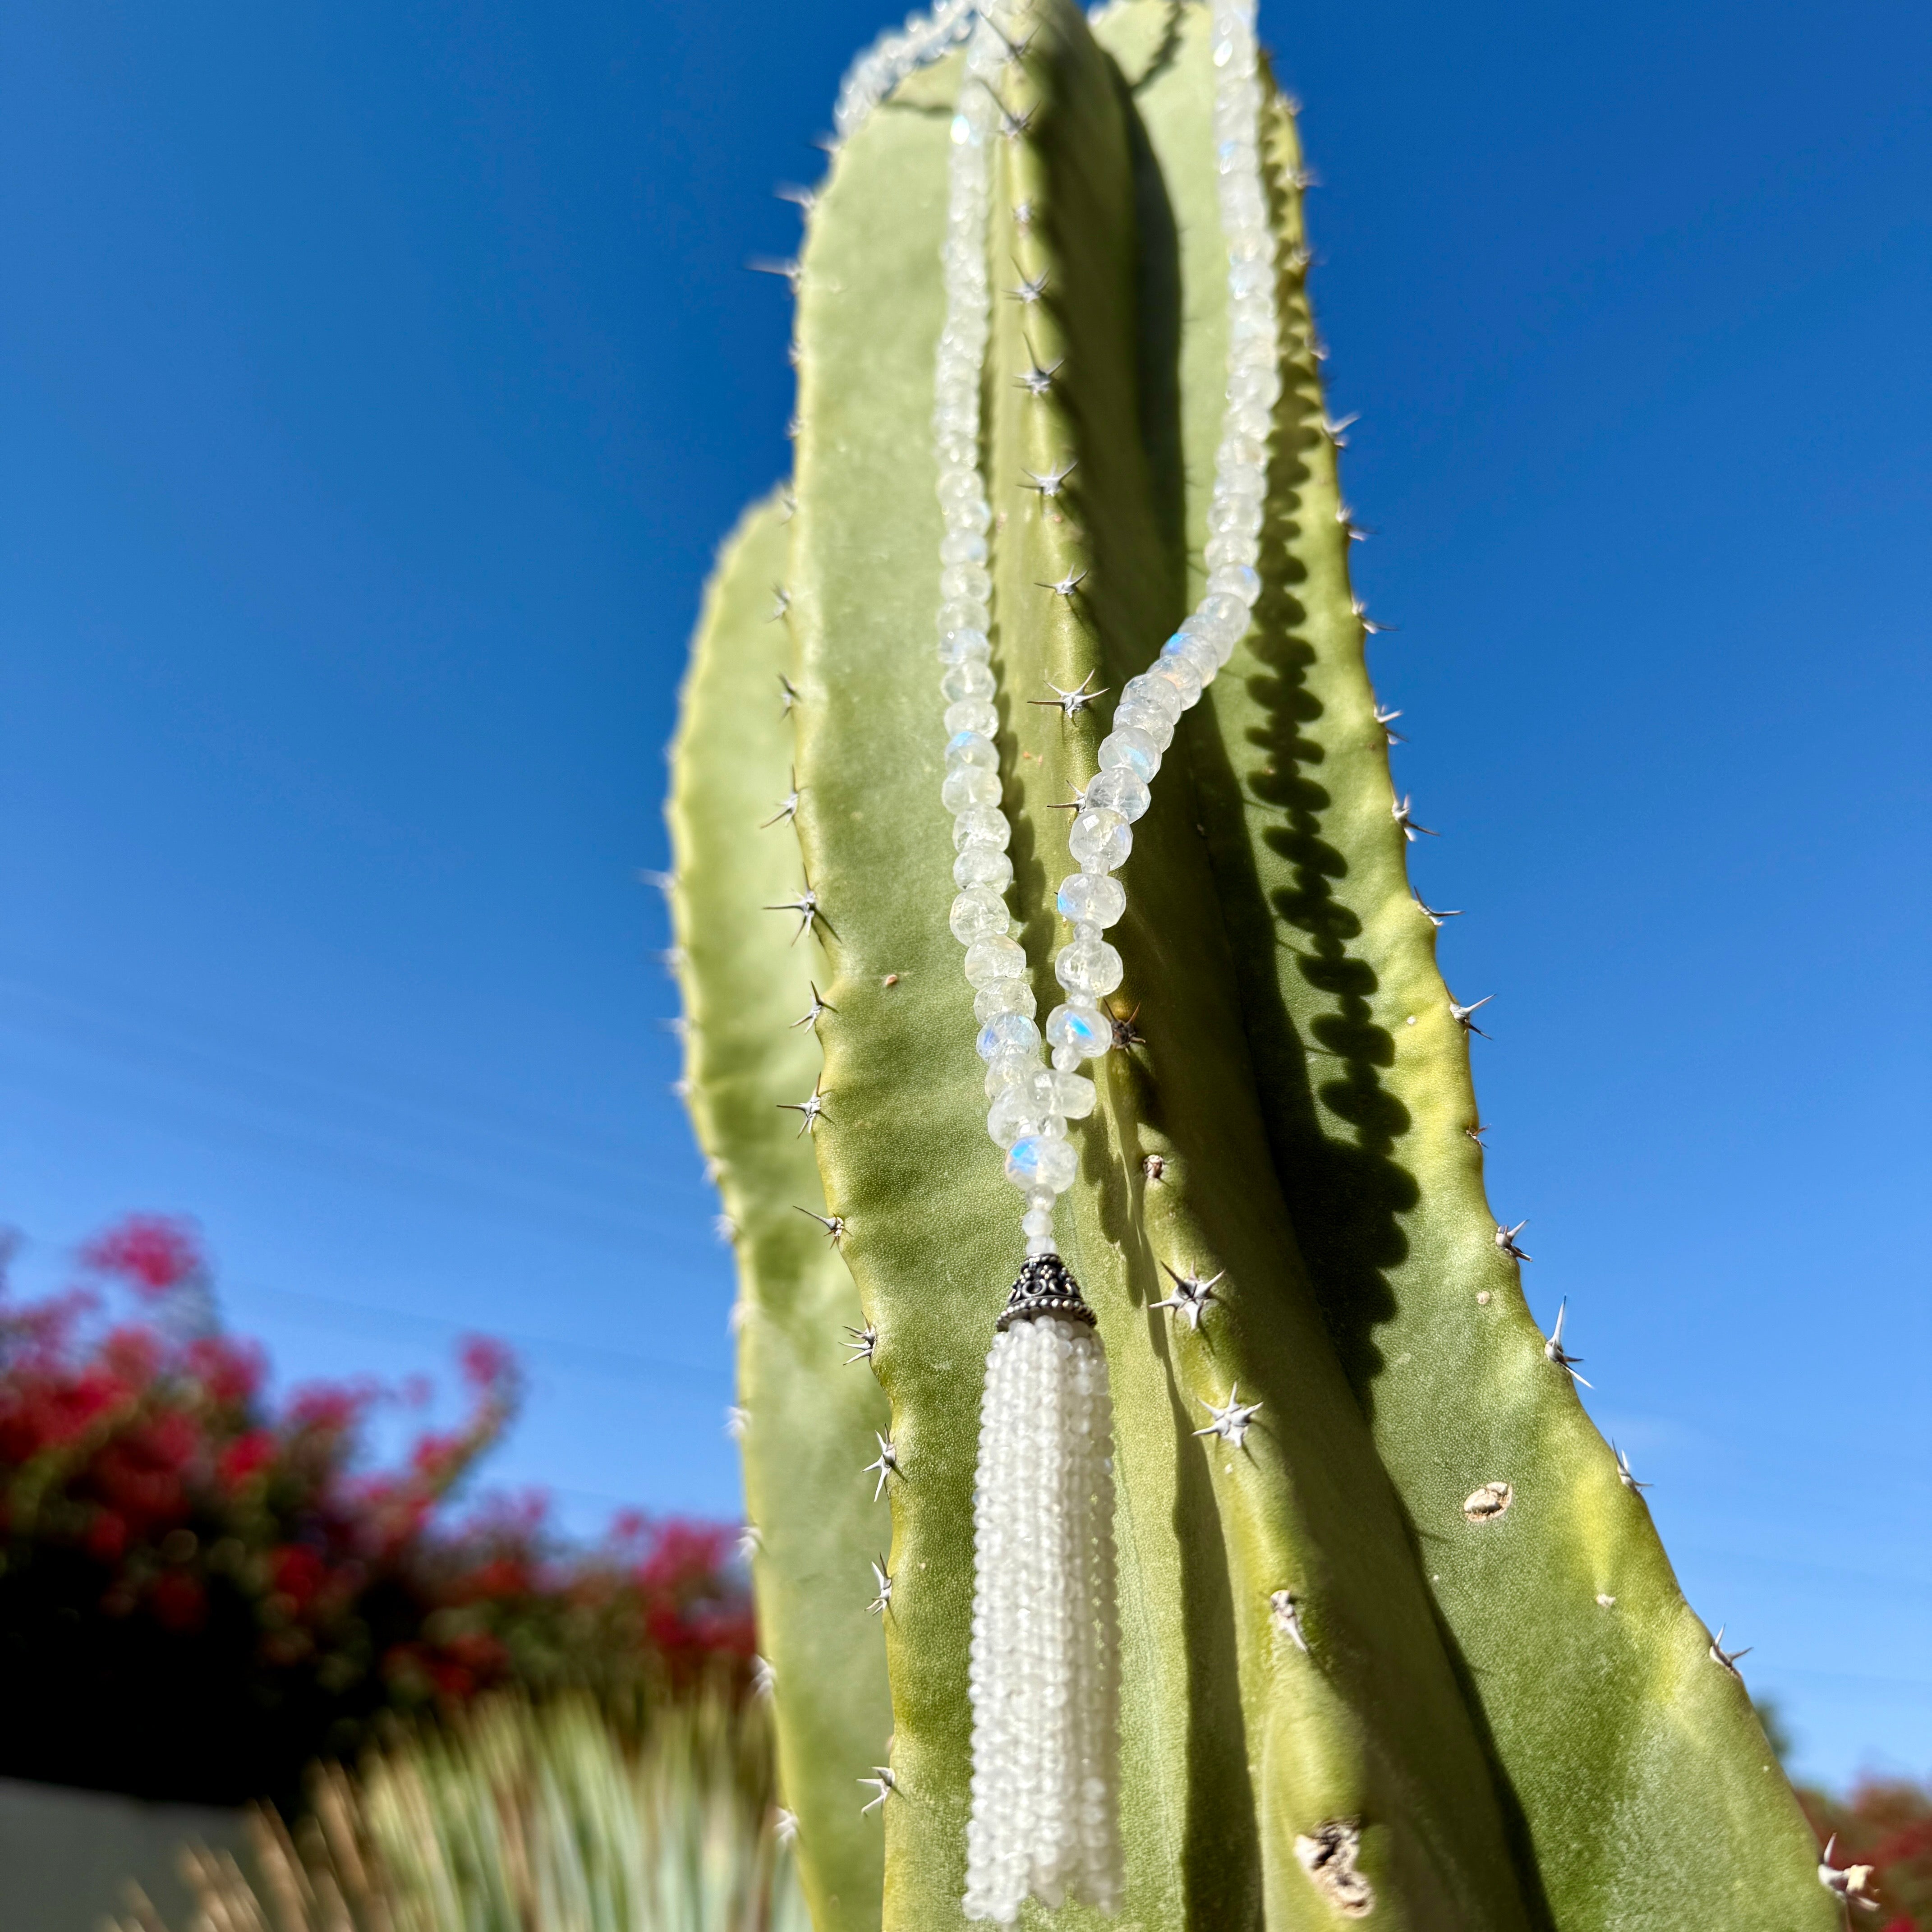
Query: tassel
{"type": "Point", "coordinates": [1044, 1678]}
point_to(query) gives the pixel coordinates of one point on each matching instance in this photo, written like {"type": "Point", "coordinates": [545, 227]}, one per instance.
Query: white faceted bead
{"type": "Point", "coordinates": [966, 579]}
{"type": "Point", "coordinates": [1090, 967]}
{"type": "Point", "coordinates": [1181, 674]}
{"type": "Point", "coordinates": [963, 613]}
{"type": "Point", "coordinates": [1011, 1066]}
{"type": "Point", "coordinates": [1003, 996]}
{"type": "Point", "coordinates": [989, 960]}
{"type": "Point", "coordinates": [1100, 841]}
{"type": "Point", "coordinates": [1218, 608]}
{"type": "Point", "coordinates": [1120, 789]}
{"type": "Point", "coordinates": [971, 747]}
{"type": "Point", "coordinates": [979, 912]}
{"type": "Point", "coordinates": [1206, 657]}
{"type": "Point", "coordinates": [972, 714]}
{"type": "Point", "coordinates": [1092, 896]}
{"type": "Point", "coordinates": [1235, 547]}
{"type": "Point", "coordinates": [1147, 690]}
{"type": "Point", "coordinates": [1237, 578]}
{"type": "Point", "coordinates": [966, 645]}
{"type": "Point", "coordinates": [969, 785]}
{"type": "Point", "coordinates": [1037, 1222]}
{"type": "Point", "coordinates": [1151, 720]}
{"type": "Point", "coordinates": [1008, 1030]}
{"type": "Point", "coordinates": [1017, 1112]}
{"type": "Point", "coordinates": [1131, 748]}
{"type": "Point", "coordinates": [981, 865]}
{"type": "Point", "coordinates": [981, 825]}
{"type": "Point", "coordinates": [1080, 1024]}
{"type": "Point", "coordinates": [963, 681]}
{"type": "Point", "coordinates": [1073, 1096]}
{"type": "Point", "coordinates": [1037, 1160]}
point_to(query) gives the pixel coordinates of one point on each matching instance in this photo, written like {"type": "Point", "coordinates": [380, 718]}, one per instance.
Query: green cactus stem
{"type": "Point", "coordinates": [1404, 1647]}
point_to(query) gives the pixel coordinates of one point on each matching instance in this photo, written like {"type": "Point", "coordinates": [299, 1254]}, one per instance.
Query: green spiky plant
{"type": "Point", "coordinates": [521, 1817]}
{"type": "Point", "coordinates": [1483, 1663]}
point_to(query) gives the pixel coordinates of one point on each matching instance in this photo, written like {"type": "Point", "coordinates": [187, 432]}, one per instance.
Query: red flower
{"type": "Point", "coordinates": [299, 1572]}
{"type": "Point", "coordinates": [180, 1602]}
{"type": "Point", "coordinates": [229, 1371]}
{"type": "Point", "coordinates": [487, 1364]}
{"type": "Point", "coordinates": [244, 1456]}
{"type": "Point", "coordinates": [153, 1253]}
{"type": "Point", "coordinates": [107, 1537]}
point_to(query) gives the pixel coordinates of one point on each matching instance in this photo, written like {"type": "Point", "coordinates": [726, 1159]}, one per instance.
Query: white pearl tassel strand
{"type": "Point", "coordinates": [1044, 1692]}
{"type": "Point", "coordinates": [1044, 1677]}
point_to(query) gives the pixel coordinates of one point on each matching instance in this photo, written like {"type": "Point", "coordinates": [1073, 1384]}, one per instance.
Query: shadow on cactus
{"type": "Point", "coordinates": [1383, 1625]}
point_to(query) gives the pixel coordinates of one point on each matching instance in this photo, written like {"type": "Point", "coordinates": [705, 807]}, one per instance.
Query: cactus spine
{"type": "Point", "coordinates": [1368, 1665]}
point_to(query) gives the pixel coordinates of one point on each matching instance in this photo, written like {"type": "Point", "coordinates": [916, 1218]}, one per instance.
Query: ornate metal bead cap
{"type": "Point", "coordinates": [1045, 1287]}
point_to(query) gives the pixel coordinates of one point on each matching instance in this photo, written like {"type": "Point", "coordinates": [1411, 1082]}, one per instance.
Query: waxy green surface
{"type": "Point", "coordinates": [746, 980]}
{"type": "Point", "coordinates": [1518, 1752]}
{"type": "Point", "coordinates": [1641, 1789]}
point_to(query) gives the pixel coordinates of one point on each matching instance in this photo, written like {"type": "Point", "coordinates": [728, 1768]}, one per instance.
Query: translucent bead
{"type": "Point", "coordinates": [1119, 789]}
{"type": "Point", "coordinates": [989, 960]}
{"type": "Point", "coordinates": [1008, 1030]}
{"type": "Point", "coordinates": [1066, 1059]}
{"type": "Point", "coordinates": [1010, 1064]}
{"type": "Point", "coordinates": [1100, 840]}
{"type": "Point", "coordinates": [979, 912]}
{"type": "Point", "coordinates": [1016, 1113]}
{"type": "Point", "coordinates": [981, 865]}
{"type": "Point", "coordinates": [1090, 967]}
{"type": "Point", "coordinates": [973, 714]}
{"type": "Point", "coordinates": [1131, 749]}
{"type": "Point", "coordinates": [1156, 725]}
{"type": "Point", "coordinates": [967, 680]}
{"type": "Point", "coordinates": [1149, 690]}
{"type": "Point", "coordinates": [983, 826]}
{"type": "Point", "coordinates": [1218, 608]}
{"type": "Point", "coordinates": [1037, 1222]}
{"type": "Point", "coordinates": [962, 546]}
{"type": "Point", "coordinates": [1205, 657]}
{"type": "Point", "coordinates": [971, 747]}
{"type": "Point", "coordinates": [1237, 579]}
{"type": "Point", "coordinates": [1003, 996]}
{"type": "Point", "coordinates": [1073, 1096]}
{"type": "Point", "coordinates": [969, 785]}
{"type": "Point", "coordinates": [962, 613]}
{"type": "Point", "coordinates": [966, 579]}
{"type": "Point", "coordinates": [1092, 896]}
{"type": "Point", "coordinates": [1183, 676]}
{"type": "Point", "coordinates": [969, 645]}
{"type": "Point", "coordinates": [1037, 1160]}
{"type": "Point", "coordinates": [1081, 1024]}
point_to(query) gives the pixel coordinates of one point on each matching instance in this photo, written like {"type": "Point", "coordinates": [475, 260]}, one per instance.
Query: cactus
{"type": "Point", "coordinates": [1408, 1647]}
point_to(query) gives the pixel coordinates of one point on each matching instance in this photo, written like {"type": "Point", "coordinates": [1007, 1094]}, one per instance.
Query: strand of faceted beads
{"type": "Point", "coordinates": [1044, 1661]}
{"type": "Point", "coordinates": [891, 57]}
{"type": "Point", "coordinates": [1031, 1105]}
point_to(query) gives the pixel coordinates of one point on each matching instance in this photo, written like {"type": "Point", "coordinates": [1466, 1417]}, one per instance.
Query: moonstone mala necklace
{"type": "Point", "coordinates": [1044, 1671]}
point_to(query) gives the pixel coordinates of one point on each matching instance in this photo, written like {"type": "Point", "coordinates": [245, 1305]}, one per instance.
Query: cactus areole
{"type": "Point", "coordinates": [1175, 1604]}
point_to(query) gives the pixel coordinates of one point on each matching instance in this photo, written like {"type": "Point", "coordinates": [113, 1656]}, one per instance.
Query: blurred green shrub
{"type": "Point", "coordinates": [518, 1816]}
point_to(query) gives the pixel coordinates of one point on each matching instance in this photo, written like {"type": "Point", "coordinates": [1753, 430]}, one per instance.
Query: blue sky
{"type": "Point", "coordinates": [375, 382]}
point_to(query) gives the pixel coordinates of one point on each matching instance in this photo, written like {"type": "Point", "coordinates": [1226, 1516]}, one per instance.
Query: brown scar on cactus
{"type": "Point", "coordinates": [1328, 1855]}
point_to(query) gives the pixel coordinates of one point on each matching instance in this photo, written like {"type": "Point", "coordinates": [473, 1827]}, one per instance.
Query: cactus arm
{"type": "Point", "coordinates": [1373, 1727]}
{"type": "Point", "coordinates": [810, 1417]}
{"type": "Point", "coordinates": [1642, 1790]}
